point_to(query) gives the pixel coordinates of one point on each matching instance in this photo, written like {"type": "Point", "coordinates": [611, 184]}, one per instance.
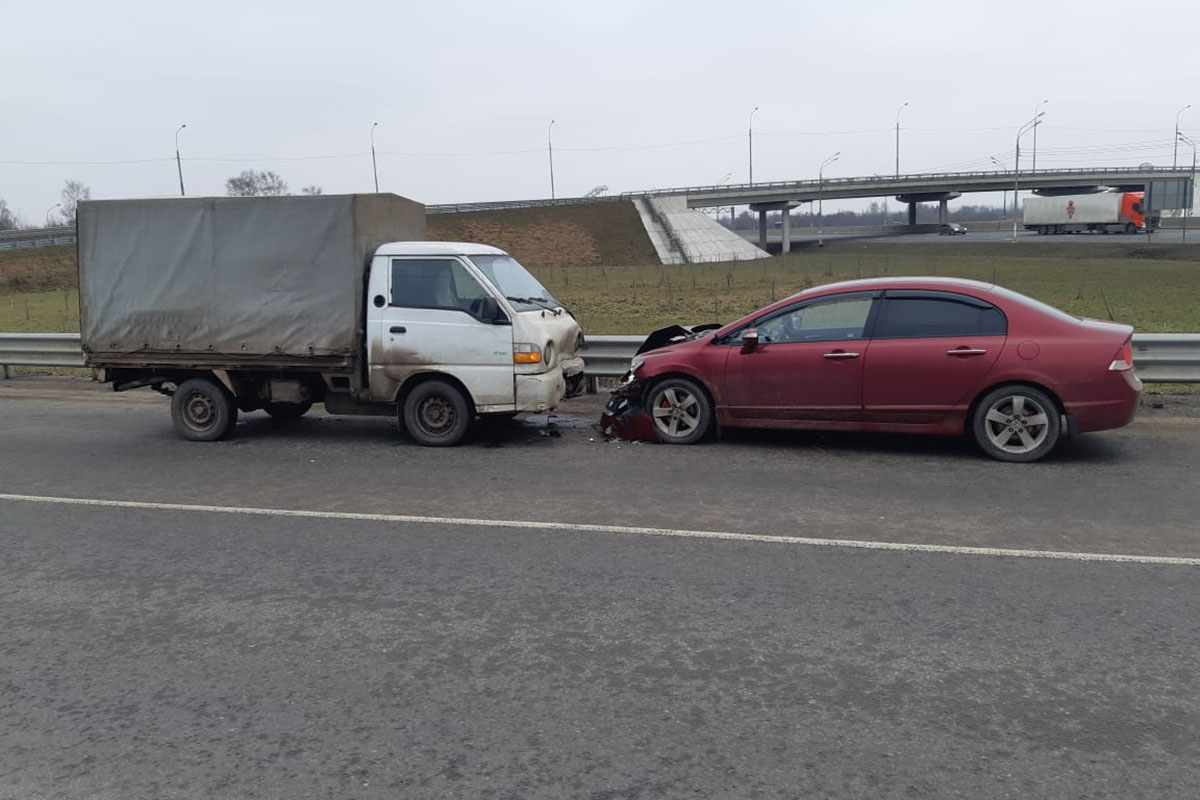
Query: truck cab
{"type": "Point", "coordinates": [470, 316]}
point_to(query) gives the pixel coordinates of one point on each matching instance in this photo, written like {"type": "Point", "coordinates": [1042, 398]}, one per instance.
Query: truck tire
{"type": "Point", "coordinates": [287, 411]}
{"type": "Point", "coordinates": [203, 411]}
{"type": "Point", "coordinates": [436, 414]}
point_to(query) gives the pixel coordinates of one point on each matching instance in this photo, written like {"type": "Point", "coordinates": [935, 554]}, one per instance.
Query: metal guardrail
{"type": "Point", "coordinates": [36, 237]}
{"type": "Point", "coordinates": [39, 350]}
{"type": "Point", "coordinates": [1157, 357]}
{"type": "Point", "coordinates": [1167, 357]}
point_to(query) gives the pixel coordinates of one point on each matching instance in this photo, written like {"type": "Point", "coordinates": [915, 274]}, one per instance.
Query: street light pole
{"type": "Point", "coordinates": [550, 151]}
{"type": "Point", "coordinates": [48, 210]}
{"type": "Point", "coordinates": [898, 110]}
{"type": "Point", "coordinates": [1004, 193]}
{"type": "Point", "coordinates": [750, 140]}
{"type": "Point", "coordinates": [178, 161]}
{"type": "Point", "coordinates": [374, 165]}
{"type": "Point", "coordinates": [1028, 126]}
{"type": "Point", "coordinates": [1192, 193]}
{"type": "Point", "coordinates": [821, 196]}
{"type": "Point", "coordinates": [1035, 116]}
{"type": "Point", "coordinates": [1175, 158]}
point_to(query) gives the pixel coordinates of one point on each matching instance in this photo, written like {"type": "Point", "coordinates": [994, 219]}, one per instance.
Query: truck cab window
{"type": "Point", "coordinates": [435, 283]}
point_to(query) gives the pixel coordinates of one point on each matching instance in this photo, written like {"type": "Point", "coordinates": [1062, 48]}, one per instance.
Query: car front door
{"type": "Point", "coordinates": [433, 323]}
{"type": "Point", "coordinates": [929, 352]}
{"type": "Point", "coordinates": [807, 364]}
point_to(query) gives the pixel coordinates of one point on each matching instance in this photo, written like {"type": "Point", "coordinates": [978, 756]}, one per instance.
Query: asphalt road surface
{"type": "Point", "coordinates": [544, 614]}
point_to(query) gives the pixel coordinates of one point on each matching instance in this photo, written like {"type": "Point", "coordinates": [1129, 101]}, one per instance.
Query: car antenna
{"type": "Point", "coordinates": [1107, 306]}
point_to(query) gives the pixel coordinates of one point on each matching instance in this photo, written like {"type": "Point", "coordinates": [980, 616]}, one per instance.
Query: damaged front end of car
{"type": "Point", "coordinates": [625, 414]}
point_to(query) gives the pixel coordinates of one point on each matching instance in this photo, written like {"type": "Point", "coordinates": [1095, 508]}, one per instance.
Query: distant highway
{"type": "Point", "coordinates": [803, 235]}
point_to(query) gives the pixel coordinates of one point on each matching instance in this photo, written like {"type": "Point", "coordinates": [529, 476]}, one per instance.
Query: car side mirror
{"type": "Point", "coordinates": [750, 338]}
{"type": "Point", "coordinates": [489, 311]}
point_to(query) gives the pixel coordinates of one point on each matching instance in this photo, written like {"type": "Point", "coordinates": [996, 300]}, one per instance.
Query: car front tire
{"type": "Point", "coordinates": [680, 411]}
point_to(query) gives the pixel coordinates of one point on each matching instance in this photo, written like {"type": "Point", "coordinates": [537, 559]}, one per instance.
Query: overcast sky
{"type": "Point", "coordinates": [644, 94]}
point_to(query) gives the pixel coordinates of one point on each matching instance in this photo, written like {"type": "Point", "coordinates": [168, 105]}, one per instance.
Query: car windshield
{"type": "Point", "coordinates": [515, 282]}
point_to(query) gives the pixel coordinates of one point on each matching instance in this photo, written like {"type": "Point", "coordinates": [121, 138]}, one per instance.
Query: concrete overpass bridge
{"type": "Point", "coordinates": [913, 189]}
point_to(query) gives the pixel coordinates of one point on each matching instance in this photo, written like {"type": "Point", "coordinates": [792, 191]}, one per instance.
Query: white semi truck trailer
{"type": "Point", "coordinates": [1103, 212]}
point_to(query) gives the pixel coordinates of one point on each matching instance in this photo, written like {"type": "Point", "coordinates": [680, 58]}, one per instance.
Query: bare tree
{"type": "Point", "coordinates": [72, 193]}
{"type": "Point", "coordinates": [312, 189]}
{"type": "Point", "coordinates": [9, 221]}
{"type": "Point", "coordinates": [256, 183]}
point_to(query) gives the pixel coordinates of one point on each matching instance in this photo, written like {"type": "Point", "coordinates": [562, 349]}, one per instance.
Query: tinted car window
{"type": "Point", "coordinates": [916, 317]}
{"type": "Point", "coordinates": [819, 322]}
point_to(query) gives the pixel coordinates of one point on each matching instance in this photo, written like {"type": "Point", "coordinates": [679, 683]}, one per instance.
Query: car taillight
{"type": "Point", "coordinates": [1124, 359]}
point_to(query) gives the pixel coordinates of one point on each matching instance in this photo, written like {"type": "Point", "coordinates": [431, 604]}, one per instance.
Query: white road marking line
{"type": "Point", "coordinates": [628, 529]}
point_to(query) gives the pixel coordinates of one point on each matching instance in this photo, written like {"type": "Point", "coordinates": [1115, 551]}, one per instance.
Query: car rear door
{"type": "Point", "coordinates": [807, 364]}
{"type": "Point", "coordinates": [929, 353]}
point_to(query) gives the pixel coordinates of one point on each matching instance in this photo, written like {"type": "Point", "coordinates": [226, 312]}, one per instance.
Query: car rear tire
{"type": "Point", "coordinates": [436, 414]}
{"type": "Point", "coordinates": [1017, 423]}
{"type": "Point", "coordinates": [203, 411]}
{"type": "Point", "coordinates": [287, 411]}
{"type": "Point", "coordinates": [680, 411]}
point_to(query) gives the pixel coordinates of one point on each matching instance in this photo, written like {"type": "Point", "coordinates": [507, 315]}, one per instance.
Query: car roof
{"type": "Point", "coordinates": [438, 249]}
{"type": "Point", "coordinates": [875, 284]}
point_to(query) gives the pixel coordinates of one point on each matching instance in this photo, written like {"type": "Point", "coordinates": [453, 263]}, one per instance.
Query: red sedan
{"type": "Point", "coordinates": [904, 355]}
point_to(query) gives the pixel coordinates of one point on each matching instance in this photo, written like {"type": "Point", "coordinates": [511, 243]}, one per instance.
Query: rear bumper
{"type": "Point", "coordinates": [1124, 394]}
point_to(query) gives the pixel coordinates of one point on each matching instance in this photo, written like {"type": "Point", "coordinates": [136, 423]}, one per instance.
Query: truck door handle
{"type": "Point", "coordinates": [397, 329]}
{"type": "Point", "coordinates": [840, 354]}
{"type": "Point", "coordinates": [966, 351]}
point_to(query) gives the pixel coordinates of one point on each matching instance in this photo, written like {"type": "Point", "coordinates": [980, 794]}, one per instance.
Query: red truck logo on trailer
{"type": "Point", "coordinates": [1070, 209]}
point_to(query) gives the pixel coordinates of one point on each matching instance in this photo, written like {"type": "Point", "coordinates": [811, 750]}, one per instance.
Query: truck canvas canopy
{"type": "Point", "coordinates": [255, 278]}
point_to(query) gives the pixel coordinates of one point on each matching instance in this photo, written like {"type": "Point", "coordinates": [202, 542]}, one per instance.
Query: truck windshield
{"type": "Point", "coordinates": [523, 290]}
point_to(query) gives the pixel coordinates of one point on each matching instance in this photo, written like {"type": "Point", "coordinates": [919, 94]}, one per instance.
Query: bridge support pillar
{"type": "Point", "coordinates": [912, 213]}
{"type": "Point", "coordinates": [943, 211]}
{"type": "Point", "coordinates": [762, 229]}
{"type": "Point", "coordinates": [787, 231]}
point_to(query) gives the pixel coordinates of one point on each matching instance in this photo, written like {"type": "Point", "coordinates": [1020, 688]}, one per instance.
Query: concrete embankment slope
{"type": "Point", "coordinates": [607, 232]}
{"type": "Point", "coordinates": [683, 236]}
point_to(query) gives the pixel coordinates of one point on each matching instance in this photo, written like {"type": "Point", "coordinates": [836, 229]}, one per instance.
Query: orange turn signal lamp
{"type": "Point", "coordinates": [527, 354]}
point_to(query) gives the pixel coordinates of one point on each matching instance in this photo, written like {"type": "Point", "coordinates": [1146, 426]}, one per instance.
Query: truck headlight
{"type": "Point", "coordinates": [549, 353]}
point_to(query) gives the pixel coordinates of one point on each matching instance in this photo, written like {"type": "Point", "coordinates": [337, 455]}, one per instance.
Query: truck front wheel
{"type": "Point", "coordinates": [203, 411]}
{"type": "Point", "coordinates": [436, 414]}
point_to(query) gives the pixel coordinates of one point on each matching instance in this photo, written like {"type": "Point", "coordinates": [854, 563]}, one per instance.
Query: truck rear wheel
{"type": "Point", "coordinates": [436, 414]}
{"type": "Point", "coordinates": [203, 411]}
{"type": "Point", "coordinates": [287, 411]}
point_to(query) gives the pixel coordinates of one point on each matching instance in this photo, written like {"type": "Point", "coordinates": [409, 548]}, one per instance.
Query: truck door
{"type": "Point", "coordinates": [433, 323]}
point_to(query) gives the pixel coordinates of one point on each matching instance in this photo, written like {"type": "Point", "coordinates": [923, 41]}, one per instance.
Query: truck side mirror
{"type": "Point", "coordinates": [750, 338]}
{"type": "Point", "coordinates": [489, 311]}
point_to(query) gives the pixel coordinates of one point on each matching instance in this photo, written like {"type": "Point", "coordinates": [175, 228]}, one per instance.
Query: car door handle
{"type": "Point", "coordinates": [397, 329]}
{"type": "Point", "coordinates": [966, 351]}
{"type": "Point", "coordinates": [840, 354]}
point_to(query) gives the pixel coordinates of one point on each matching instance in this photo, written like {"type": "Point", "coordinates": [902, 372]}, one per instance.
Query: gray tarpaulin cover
{"type": "Point", "coordinates": [239, 276]}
